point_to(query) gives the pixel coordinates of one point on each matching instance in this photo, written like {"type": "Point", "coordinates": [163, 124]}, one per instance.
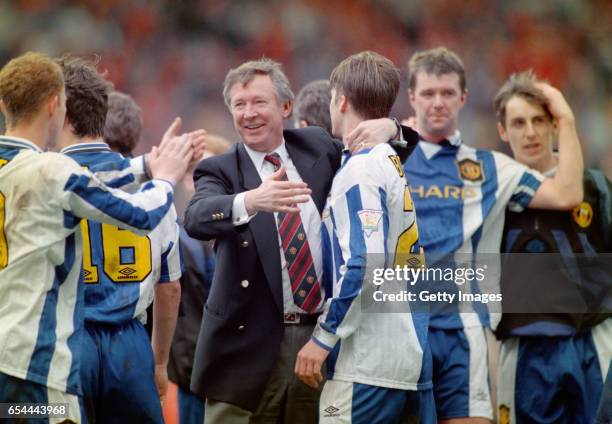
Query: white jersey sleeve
{"type": "Point", "coordinates": [85, 196]}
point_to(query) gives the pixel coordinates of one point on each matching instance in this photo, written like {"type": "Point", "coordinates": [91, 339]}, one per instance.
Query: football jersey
{"type": "Point", "coordinates": [569, 279]}
{"type": "Point", "coordinates": [369, 223]}
{"type": "Point", "coordinates": [461, 194]}
{"type": "Point", "coordinates": [121, 268]}
{"type": "Point", "coordinates": [43, 197]}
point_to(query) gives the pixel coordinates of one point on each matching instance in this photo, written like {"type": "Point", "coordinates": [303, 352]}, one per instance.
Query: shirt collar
{"type": "Point", "coordinates": [258, 158]}
{"type": "Point", "coordinates": [90, 147]}
{"type": "Point", "coordinates": [430, 149]}
{"type": "Point", "coordinates": [18, 143]}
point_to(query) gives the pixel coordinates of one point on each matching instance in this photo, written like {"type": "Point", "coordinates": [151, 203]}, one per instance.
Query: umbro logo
{"type": "Point", "coordinates": [127, 271]}
{"type": "Point", "coordinates": [331, 411]}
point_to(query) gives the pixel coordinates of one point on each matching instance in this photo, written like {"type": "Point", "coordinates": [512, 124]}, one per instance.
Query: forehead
{"type": "Point", "coordinates": [260, 85]}
{"type": "Point", "coordinates": [518, 107]}
{"type": "Point", "coordinates": [425, 81]}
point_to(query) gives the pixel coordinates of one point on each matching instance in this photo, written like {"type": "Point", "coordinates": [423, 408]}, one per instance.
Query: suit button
{"type": "Point", "coordinates": [244, 243]}
{"type": "Point", "coordinates": [241, 328]}
{"type": "Point", "coordinates": [244, 283]}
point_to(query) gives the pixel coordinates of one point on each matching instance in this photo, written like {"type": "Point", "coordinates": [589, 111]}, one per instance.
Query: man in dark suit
{"type": "Point", "coordinates": [262, 203]}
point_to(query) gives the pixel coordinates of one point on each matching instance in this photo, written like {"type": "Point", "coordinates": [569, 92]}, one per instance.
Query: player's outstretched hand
{"type": "Point", "coordinates": [370, 133]}
{"type": "Point", "coordinates": [170, 163]}
{"type": "Point", "coordinates": [308, 364]}
{"type": "Point", "coordinates": [172, 131]}
{"type": "Point", "coordinates": [197, 139]}
{"type": "Point", "coordinates": [276, 195]}
{"type": "Point", "coordinates": [557, 105]}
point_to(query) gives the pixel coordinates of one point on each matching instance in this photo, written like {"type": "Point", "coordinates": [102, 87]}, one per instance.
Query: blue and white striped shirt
{"type": "Point", "coordinates": [461, 194]}
{"type": "Point", "coordinates": [44, 196]}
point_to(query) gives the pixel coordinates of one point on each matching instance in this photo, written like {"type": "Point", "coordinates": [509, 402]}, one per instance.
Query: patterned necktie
{"type": "Point", "coordinates": [305, 287]}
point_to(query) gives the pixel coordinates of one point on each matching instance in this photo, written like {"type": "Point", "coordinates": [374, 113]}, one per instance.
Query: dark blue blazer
{"type": "Point", "coordinates": [242, 323]}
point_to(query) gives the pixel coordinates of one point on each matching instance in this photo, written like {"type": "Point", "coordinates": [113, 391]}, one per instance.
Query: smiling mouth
{"type": "Point", "coordinates": [253, 126]}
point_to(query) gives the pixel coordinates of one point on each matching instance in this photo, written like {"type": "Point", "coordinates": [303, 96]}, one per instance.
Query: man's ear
{"type": "Point", "coordinates": [287, 107]}
{"type": "Point", "coordinates": [464, 97]}
{"type": "Point", "coordinates": [52, 105]}
{"type": "Point", "coordinates": [343, 103]}
{"type": "Point", "coordinates": [502, 132]}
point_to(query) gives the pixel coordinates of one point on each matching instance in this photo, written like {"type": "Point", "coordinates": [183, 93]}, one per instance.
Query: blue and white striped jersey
{"type": "Point", "coordinates": [121, 268]}
{"type": "Point", "coordinates": [461, 194]}
{"type": "Point", "coordinates": [43, 197]}
{"type": "Point", "coordinates": [369, 223]}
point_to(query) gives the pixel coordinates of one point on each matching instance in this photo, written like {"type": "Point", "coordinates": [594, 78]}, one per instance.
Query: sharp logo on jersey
{"type": "Point", "coordinates": [331, 411]}
{"type": "Point", "coordinates": [470, 170]}
{"type": "Point", "coordinates": [504, 414]}
{"type": "Point", "coordinates": [446, 192]}
{"type": "Point", "coordinates": [395, 160]}
{"type": "Point", "coordinates": [369, 220]}
{"type": "Point", "coordinates": [583, 214]}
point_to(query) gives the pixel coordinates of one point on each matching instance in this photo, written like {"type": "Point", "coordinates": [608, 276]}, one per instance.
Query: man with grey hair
{"type": "Point", "coordinates": [312, 106]}
{"type": "Point", "coordinates": [262, 203]}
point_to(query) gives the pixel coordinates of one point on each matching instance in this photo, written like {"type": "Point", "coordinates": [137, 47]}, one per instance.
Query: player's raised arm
{"type": "Point", "coordinates": [87, 197]}
{"type": "Point", "coordinates": [564, 190]}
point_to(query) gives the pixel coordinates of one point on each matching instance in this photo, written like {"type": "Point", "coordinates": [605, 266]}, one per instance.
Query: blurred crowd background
{"type": "Point", "coordinates": [172, 56]}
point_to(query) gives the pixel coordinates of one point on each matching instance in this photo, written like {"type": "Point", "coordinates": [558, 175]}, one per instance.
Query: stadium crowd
{"type": "Point", "coordinates": [172, 56]}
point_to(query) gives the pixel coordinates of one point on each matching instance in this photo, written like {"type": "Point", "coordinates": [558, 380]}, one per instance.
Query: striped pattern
{"type": "Point", "coordinates": [363, 220]}
{"type": "Point", "coordinates": [118, 303]}
{"type": "Point", "coordinates": [41, 300]}
{"type": "Point", "coordinates": [463, 215]}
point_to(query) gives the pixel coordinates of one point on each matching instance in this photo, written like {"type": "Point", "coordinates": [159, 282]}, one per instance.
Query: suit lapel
{"type": "Point", "coordinates": [305, 165]}
{"type": "Point", "coordinates": [264, 230]}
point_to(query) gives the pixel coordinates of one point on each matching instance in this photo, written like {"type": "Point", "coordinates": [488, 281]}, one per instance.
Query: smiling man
{"type": "Point", "coordinates": [565, 339]}
{"type": "Point", "coordinates": [470, 223]}
{"type": "Point", "coordinates": [262, 203]}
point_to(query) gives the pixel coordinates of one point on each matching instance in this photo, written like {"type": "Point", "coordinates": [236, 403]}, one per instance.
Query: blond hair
{"type": "Point", "coordinates": [26, 82]}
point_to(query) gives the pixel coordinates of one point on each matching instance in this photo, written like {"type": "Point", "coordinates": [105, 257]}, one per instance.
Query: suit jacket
{"type": "Point", "coordinates": [199, 264]}
{"type": "Point", "coordinates": [242, 323]}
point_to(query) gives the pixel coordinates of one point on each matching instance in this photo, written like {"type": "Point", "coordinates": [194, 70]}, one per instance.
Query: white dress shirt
{"type": "Point", "coordinates": [308, 212]}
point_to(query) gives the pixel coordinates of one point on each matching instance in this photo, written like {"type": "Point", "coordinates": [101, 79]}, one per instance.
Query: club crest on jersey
{"type": "Point", "coordinates": [583, 214]}
{"type": "Point", "coordinates": [369, 220]}
{"type": "Point", "coordinates": [470, 170]}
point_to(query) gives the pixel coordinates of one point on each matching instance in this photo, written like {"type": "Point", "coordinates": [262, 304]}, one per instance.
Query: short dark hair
{"type": "Point", "coordinates": [312, 104]}
{"type": "Point", "coordinates": [25, 83]}
{"type": "Point", "coordinates": [519, 84]}
{"type": "Point", "coordinates": [438, 61]}
{"type": "Point", "coordinates": [86, 96]}
{"type": "Point", "coordinates": [245, 73]}
{"type": "Point", "coordinates": [123, 123]}
{"type": "Point", "coordinates": [369, 81]}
